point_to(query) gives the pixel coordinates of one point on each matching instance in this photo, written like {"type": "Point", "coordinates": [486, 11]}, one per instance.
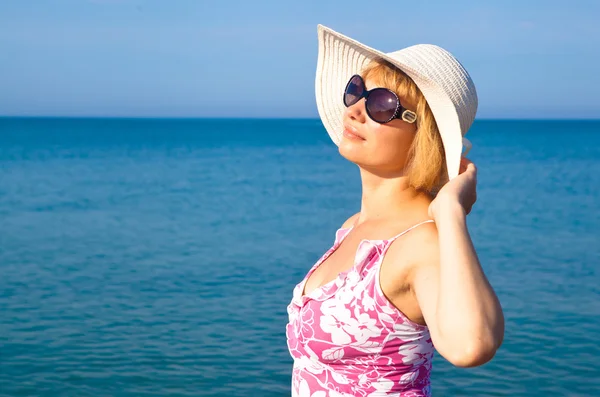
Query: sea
{"type": "Point", "coordinates": [156, 257]}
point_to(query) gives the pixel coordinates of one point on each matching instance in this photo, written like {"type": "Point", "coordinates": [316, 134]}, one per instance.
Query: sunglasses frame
{"type": "Point", "coordinates": [401, 112]}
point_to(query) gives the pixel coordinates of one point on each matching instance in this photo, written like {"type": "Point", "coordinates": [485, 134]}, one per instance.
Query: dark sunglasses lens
{"type": "Point", "coordinates": [354, 91]}
{"type": "Point", "coordinates": [382, 105]}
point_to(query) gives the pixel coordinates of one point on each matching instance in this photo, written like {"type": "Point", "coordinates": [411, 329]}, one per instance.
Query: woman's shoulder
{"type": "Point", "coordinates": [415, 248]}
{"type": "Point", "coordinates": [350, 221]}
{"type": "Point", "coordinates": [405, 256]}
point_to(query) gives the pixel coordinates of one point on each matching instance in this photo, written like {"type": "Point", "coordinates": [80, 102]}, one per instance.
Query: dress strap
{"type": "Point", "coordinates": [409, 229]}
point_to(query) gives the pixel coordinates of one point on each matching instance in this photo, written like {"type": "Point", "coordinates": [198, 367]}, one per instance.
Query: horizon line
{"type": "Point", "coordinates": [107, 117]}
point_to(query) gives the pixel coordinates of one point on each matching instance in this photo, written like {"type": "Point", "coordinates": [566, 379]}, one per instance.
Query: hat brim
{"type": "Point", "coordinates": [340, 57]}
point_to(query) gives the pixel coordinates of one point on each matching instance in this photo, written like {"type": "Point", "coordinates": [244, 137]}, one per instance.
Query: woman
{"type": "Point", "coordinates": [402, 275]}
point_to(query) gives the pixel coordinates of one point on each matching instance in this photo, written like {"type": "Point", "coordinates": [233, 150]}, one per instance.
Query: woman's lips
{"type": "Point", "coordinates": [351, 133]}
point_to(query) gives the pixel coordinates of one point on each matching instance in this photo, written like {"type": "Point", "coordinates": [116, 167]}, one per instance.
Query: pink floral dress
{"type": "Point", "coordinates": [347, 339]}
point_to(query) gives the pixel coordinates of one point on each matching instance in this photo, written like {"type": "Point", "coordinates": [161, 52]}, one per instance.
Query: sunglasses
{"type": "Point", "coordinates": [382, 105]}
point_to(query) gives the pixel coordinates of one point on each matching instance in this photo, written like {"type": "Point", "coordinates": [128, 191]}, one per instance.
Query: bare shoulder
{"type": "Point", "coordinates": [425, 249]}
{"type": "Point", "coordinates": [416, 249]}
{"type": "Point", "coordinates": [350, 221]}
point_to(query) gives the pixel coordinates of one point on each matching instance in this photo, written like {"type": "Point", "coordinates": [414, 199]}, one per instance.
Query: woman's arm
{"type": "Point", "coordinates": [457, 301]}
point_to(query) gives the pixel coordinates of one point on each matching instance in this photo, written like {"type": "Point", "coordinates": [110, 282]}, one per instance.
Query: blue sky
{"type": "Point", "coordinates": [529, 59]}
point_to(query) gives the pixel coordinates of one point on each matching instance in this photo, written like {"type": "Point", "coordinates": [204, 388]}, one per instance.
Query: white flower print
{"type": "Point", "coordinates": [352, 279]}
{"type": "Point", "coordinates": [367, 301]}
{"type": "Point", "coordinates": [385, 318]}
{"type": "Point", "coordinates": [345, 295]}
{"type": "Point", "coordinates": [307, 328]}
{"type": "Point", "coordinates": [312, 366]}
{"type": "Point", "coordinates": [339, 323]}
{"type": "Point", "coordinates": [304, 391]}
{"type": "Point", "coordinates": [333, 325]}
{"type": "Point", "coordinates": [413, 354]}
{"type": "Point", "coordinates": [365, 327]}
{"type": "Point", "coordinates": [351, 288]}
{"type": "Point", "coordinates": [335, 318]}
{"type": "Point", "coordinates": [334, 307]}
{"type": "Point", "coordinates": [409, 377]}
{"type": "Point", "coordinates": [335, 353]}
{"type": "Point", "coordinates": [382, 386]}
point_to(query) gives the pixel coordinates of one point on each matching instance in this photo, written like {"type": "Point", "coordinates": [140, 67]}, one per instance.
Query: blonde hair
{"type": "Point", "coordinates": [426, 166]}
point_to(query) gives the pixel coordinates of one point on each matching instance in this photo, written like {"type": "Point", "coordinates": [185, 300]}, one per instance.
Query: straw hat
{"type": "Point", "coordinates": [444, 82]}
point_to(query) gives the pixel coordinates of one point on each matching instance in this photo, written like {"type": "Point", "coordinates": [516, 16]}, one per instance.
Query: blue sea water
{"type": "Point", "coordinates": [157, 257]}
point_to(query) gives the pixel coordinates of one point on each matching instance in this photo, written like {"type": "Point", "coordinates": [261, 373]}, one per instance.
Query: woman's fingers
{"type": "Point", "coordinates": [466, 164]}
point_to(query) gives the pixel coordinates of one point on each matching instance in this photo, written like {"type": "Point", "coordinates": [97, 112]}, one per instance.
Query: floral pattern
{"type": "Point", "coordinates": [347, 339]}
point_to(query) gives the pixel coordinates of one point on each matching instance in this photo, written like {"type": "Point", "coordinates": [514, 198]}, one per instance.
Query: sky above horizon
{"type": "Point", "coordinates": [143, 58]}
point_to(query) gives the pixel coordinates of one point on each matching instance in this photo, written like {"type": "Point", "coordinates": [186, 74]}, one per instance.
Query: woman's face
{"type": "Point", "coordinates": [380, 148]}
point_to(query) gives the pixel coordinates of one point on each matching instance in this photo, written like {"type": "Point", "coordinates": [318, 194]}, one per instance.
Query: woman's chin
{"type": "Point", "coordinates": [351, 151]}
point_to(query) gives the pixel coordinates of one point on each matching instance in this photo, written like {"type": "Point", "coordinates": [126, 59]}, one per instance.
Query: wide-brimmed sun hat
{"type": "Point", "coordinates": [446, 85]}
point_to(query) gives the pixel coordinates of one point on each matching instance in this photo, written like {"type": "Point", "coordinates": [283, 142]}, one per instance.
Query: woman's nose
{"type": "Point", "coordinates": [357, 111]}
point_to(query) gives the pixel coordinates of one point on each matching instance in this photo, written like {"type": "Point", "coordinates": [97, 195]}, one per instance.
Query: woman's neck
{"type": "Point", "coordinates": [387, 197]}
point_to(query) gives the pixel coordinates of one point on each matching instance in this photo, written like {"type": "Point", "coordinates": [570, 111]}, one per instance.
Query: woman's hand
{"type": "Point", "coordinates": [461, 190]}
